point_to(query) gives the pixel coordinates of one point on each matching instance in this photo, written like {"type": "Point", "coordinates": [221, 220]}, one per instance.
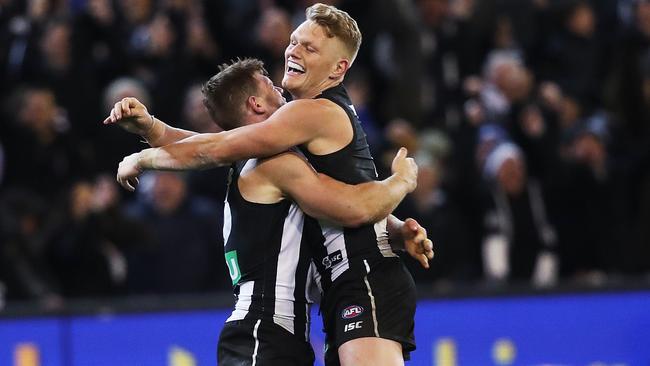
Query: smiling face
{"type": "Point", "coordinates": [314, 61]}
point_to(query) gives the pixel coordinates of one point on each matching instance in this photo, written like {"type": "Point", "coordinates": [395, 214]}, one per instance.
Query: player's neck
{"type": "Point", "coordinates": [316, 91]}
{"type": "Point", "coordinates": [255, 118]}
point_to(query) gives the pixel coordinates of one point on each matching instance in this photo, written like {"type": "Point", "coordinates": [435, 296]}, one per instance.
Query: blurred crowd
{"type": "Point", "coordinates": [529, 119]}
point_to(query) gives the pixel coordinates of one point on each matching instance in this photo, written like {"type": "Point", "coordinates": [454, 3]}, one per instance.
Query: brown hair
{"type": "Point", "coordinates": [337, 23]}
{"type": "Point", "coordinates": [225, 94]}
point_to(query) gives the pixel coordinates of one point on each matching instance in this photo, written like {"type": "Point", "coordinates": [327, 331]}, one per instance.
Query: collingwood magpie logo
{"type": "Point", "coordinates": [332, 259]}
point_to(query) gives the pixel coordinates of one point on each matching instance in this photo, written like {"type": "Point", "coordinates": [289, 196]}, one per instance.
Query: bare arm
{"type": "Point", "coordinates": [132, 115]}
{"type": "Point", "coordinates": [347, 205]}
{"type": "Point", "coordinates": [293, 124]}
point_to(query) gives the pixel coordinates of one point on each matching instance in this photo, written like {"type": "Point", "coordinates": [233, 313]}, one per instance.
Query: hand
{"type": "Point", "coordinates": [405, 168]}
{"type": "Point", "coordinates": [128, 172]}
{"type": "Point", "coordinates": [416, 242]}
{"type": "Point", "coordinates": [131, 115]}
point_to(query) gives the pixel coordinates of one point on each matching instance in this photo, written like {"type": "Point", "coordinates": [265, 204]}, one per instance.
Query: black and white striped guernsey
{"type": "Point", "coordinates": [347, 250]}
{"type": "Point", "coordinates": [269, 263]}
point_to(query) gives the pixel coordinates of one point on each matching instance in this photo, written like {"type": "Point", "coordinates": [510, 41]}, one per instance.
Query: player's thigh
{"type": "Point", "coordinates": [371, 351]}
{"type": "Point", "coordinates": [236, 344]}
{"type": "Point", "coordinates": [380, 305]}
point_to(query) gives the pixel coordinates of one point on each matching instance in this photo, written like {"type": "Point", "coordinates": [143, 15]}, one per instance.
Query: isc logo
{"type": "Point", "coordinates": [352, 326]}
{"type": "Point", "coordinates": [332, 259]}
{"type": "Point", "coordinates": [352, 312]}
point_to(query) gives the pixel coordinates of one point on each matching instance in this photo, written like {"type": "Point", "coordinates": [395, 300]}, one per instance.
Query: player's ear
{"type": "Point", "coordinates": [256, 104]}
{"type": "Point", "coordinates": [340, 68]}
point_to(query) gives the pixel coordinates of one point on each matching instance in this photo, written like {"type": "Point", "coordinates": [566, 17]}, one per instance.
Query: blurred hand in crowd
{"type": "Point", "coordinates": [589, 149]}
{"type": "Point", "coordinates": [551, 95]}
{"type": "Point", "coordinates": [532, 121]}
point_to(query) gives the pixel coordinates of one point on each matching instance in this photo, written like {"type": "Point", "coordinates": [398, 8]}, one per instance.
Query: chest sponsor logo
{"type": "Point", "coordinates": [332, 259]}
{"type": "Point", "coordinates": [352, 311]}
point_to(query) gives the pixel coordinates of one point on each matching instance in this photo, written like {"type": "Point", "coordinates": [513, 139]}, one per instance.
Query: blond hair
{"type": "Point", "coordinates": [337, 23]}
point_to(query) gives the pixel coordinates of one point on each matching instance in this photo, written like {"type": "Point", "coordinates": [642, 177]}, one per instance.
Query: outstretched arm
{"type": "Point", "coordinates": [294, 124]}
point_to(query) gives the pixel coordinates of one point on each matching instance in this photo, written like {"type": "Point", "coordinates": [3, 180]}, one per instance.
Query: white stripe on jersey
{"type": "Point", "coordinates": [244, 300]}
{"type": "Point", "coordinates": [381, 231]}
{"type": "Point", "coordinates": [335, 240]}
{"type": "Point", "coordinates": [285, 277]}
{"type": "Point", "coordinates": [227, 222]}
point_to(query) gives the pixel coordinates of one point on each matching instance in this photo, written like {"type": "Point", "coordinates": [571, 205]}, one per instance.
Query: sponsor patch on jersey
{"type": "Point", "coordinates": [332, 259]}
{"type": "Point", "coordinates": [352, 311]}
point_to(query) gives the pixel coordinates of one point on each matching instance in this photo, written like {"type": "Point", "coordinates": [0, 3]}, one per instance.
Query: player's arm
{"type": "Point", "coordinates": [294, 124]}
{"type": "Point", "coordinates": [347, 205]}
{"type": "Point", "coordinates": [130, 114]}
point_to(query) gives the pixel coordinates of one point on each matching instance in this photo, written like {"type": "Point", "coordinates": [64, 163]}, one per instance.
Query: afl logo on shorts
{"type": "Point", "coordinates": [352, 312]}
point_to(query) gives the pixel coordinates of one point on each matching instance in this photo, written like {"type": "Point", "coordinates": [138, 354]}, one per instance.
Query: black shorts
{"type": "Point", "coordinates": [379, 304]}
{"type": "Point", "coordinates": [242, 341]}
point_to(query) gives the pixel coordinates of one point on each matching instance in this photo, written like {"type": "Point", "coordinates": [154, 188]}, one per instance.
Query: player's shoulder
{"type": "Point", "coordinates": [316, 107]}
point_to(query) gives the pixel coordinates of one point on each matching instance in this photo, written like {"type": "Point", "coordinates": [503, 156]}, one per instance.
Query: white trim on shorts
{"type": "Point", "coordinates": [257, 341]}
{"type": "Point", "coordinates": [372, 299]}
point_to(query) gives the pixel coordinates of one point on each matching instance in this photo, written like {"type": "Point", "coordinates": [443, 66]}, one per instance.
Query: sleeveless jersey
{"type": "Point", "coordinates": [267, 257]}
{"type": "Point", "coordinates": [347, 250]}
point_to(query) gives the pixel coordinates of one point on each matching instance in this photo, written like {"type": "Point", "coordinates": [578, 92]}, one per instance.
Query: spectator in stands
{"type": "Point", "coordinates": [26, 222]}
{"type": "Point", "coordinates": [187, 247]}
{"type": "Point", "coordinates": [88, 245]}
{"type": "Point", "coordinates": [210, 183]}
{"type": "Point", "coordinates": [432, 204]}
{"type": "Point", "coordinates": [445, 54]}
{"type": "Point", "coordinates": [582, 206]}
{"type": "Point", "coordinates": [573, 57]}
{"type": "Point", "coordinates": [535, 68]}
{"type": "Point", "coordinates": [272, 36]}
{"type": "Point", "coordinates": [519, 241]}
{"type": "Point", "coordinates": [43, 154]}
